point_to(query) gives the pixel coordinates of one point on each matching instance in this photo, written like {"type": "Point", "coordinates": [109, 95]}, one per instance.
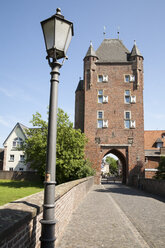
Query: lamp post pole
{"type": "Point", "coordinates": [48, 222]}
{"type": "Point", "coordinates": [57, 35]}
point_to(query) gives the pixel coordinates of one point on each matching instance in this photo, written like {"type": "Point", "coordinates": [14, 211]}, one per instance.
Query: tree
{"type": "Point", "coordinates": [160, 174]}
{"type": "Point", "coordinates": [113, 166]}
{"type": "Point", "coordinates": [70, 162]}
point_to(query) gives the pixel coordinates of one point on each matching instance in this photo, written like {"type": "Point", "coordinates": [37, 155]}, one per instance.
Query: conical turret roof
{"type": "Point", "coordinates": [135, 51]}
{"type": "Point", "coordinates": [91, 52]}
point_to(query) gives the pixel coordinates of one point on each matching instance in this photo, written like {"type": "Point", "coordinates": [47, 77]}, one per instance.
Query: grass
{"type": "Point", "coordinates": [11, 190]}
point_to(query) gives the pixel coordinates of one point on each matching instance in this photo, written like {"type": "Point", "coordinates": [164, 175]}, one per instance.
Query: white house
{"type": "Point", "coordinates": [13, 157]}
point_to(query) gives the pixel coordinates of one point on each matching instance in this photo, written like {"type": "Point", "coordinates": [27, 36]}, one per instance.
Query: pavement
{"type": "Point", "coordinates": [117, 216]}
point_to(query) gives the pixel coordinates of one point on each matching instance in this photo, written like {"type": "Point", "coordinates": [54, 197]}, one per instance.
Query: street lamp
{"type": "Point", "coordinates": [57, 34]}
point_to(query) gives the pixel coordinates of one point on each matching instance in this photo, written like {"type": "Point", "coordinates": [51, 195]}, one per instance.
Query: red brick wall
{"type": "Point", "coordinates": [20, 226]}
{"type": "Point", "coordinates": [152, 163]}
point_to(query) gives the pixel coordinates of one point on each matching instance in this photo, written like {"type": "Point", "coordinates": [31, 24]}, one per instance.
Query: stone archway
{"type": "Point", "coordinates": [123, 159]}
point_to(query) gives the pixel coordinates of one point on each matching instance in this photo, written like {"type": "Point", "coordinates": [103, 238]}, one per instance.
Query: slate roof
{"type": "Point", "coordinates": [135, 51]}
{"type": "Point", "coordinates": [112, 50]}
{"type": "Point", "coordinates": [80, 86]}
{"type": "Point", "coordinates": [159, 140]}
{"type": "Point", "coordinates": [91, 52]}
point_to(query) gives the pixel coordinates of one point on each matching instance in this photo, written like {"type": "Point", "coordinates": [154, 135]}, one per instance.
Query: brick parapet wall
{"type": "Point", "coordinates": [153, 186]}
{"type": "Point", "coordinates": [19, 220]}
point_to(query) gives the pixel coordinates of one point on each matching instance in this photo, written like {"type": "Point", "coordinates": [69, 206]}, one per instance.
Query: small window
{"type": "Point", "coordinates": [100, 115]}
{"type": "Point", "coordinates": [11, 168]}
{"type": "Point", "coordinates": [100, 92]}
{"type": "Point", "coordinates": [20, 169]}
{"type": "Point", "coordinates": [100, 78]}
{"type": "Point", "coordinates": [100, 96]}
{"type": "Point", "coordinates": [127, 78]}
{"type": "Point", "coordinates": [14, 143]}
{"type": "Point", "coordinates": [127, 123]}
{"type": "Point", "coordinates": [127, 115]}
{"type": "Point", "coordinates": [100, 123]}
{"type": "Point", "coordinates": [22, 158]}
{"type": "Point", "coordinates": [12, 158]}
{"type": "Point", "coordinates": [17, 142]}
{"type": "Point", "coordinates": [127, 96]}
{"type": "Point", "coordinates": [100, 99]}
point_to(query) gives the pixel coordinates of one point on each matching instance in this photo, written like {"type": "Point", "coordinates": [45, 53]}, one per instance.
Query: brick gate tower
{"type": "Point", "coordinates": [109, 106]}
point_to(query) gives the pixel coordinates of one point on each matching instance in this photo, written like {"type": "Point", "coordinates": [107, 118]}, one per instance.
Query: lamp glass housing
{"type": "Point", "coordinates": [58, 33]}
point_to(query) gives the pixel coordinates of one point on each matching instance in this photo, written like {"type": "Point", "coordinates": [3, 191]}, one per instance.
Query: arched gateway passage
{"type": "Point", "coordinates": [123, 159]}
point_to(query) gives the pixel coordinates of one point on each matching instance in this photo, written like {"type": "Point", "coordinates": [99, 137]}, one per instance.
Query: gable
{"type": "Point", "coordinates": [17, 132]}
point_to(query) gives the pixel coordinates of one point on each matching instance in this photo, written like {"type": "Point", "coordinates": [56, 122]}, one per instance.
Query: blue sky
{"type": "Point", "coordinates": [24, 72]}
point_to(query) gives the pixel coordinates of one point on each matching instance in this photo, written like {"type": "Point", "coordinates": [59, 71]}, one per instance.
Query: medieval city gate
{"type": "Point", "coordinates": [109, 105]}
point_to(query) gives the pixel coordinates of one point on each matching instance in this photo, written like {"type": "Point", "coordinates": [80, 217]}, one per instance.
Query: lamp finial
{"type": "Point", "coordinates": [58, 11]}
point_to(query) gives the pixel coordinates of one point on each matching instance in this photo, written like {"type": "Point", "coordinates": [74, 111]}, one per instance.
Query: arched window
{"type": "Point", "coordinates": [17, 142]}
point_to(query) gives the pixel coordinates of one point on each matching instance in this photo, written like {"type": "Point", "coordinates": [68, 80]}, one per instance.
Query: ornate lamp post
{"type": "Point", "coordinates": [57, 34]}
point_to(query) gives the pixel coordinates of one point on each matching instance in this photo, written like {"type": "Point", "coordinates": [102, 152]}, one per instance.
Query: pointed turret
{"type": "Point", "coordinates": [135, 51]}
{"type": "Point", "coordinates": [91, 52]}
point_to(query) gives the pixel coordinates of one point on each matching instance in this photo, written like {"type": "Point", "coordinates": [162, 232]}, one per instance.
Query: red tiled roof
{"type": "Point", "coordinates": [150, 138]}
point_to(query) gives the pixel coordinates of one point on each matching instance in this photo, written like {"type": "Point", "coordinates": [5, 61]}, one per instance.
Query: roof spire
{"type": "Point", "coordinates": [135, 51]}
{"type": "Point", "coordinates": [104, 33]}
{"type": "Point", "coordinates": [118, 31]}
{"type": "Point", "coordinates": [91, 52]}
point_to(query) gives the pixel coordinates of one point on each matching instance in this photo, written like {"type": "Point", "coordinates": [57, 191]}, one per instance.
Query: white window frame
{"type": "Point", "coordinates": [22, 158]}
{"type": "Point", "coordinates": [125, 126]}
{"type": "Point", "coordinates": [127, 96]}
{"type": "Point", "coordinates": [17, 142]}
{"type": "Point", "coordinates": [99, 121]}
{"type": "Point", "coordinates": [125, 118]}
{"type": "Point", "coordinates": [102, 78]}
{"type": "Point", "coordinates": [100, 96]}
{"type": "Point", "coordinates": [131, 78]}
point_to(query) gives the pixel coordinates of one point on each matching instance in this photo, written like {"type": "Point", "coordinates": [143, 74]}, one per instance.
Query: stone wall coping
{"type": "Point", "coordinates": [19, 212]}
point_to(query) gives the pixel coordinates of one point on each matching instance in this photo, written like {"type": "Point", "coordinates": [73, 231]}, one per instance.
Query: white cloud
{"type": "Point", "coordinates": [17, 94]}
{"type": "Point", "coordinates": [6, 92]}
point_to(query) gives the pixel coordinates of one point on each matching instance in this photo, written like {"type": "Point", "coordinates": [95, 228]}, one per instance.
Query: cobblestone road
{"type": "Point", "coordinates": [117, 216]}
